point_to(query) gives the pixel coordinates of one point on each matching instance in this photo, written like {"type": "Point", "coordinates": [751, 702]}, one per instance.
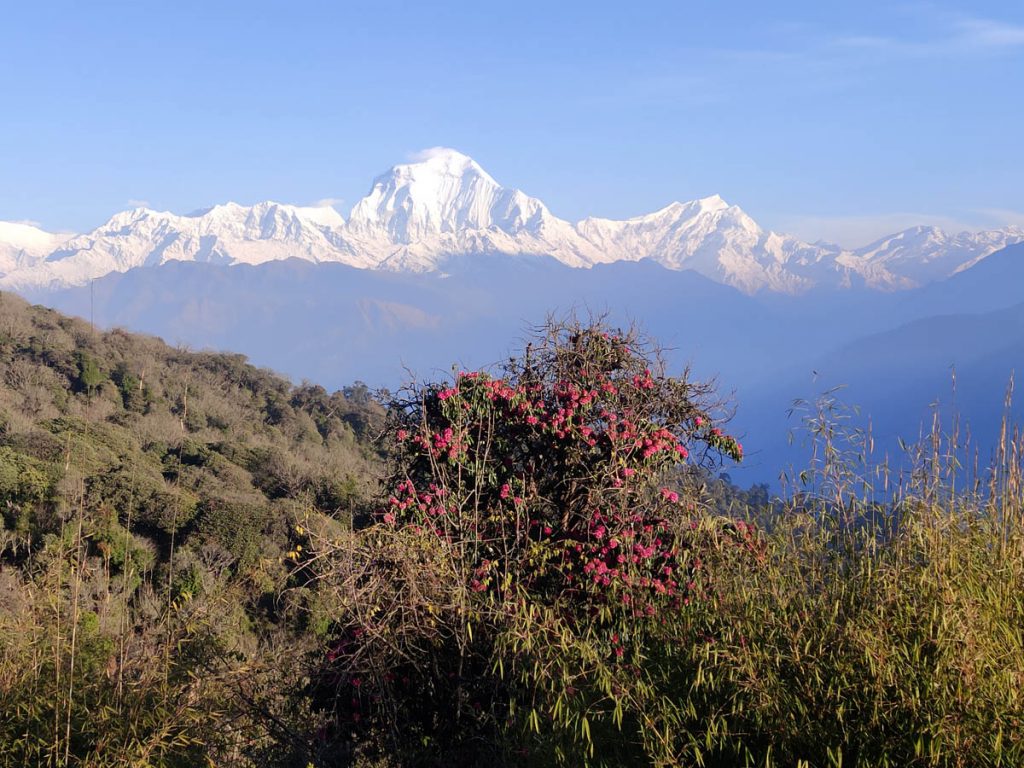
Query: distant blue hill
{"type": "Point", "coordinates": [334, 324]}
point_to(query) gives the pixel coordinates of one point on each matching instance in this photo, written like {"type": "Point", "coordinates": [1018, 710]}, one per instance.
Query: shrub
{"type": "Point", "coordinates": [530, 551]}
{"type": "Point", "coordinates": [236, 525]}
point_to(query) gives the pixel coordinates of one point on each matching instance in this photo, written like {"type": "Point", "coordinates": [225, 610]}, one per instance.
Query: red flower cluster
{"type": "Point", "coordinates": [552, 498]}
{"type": "Point", "coordinates": [577, 453]}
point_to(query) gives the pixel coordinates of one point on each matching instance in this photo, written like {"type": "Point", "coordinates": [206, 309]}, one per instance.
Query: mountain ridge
{"type": "Point", "coordinates": [419, 215]}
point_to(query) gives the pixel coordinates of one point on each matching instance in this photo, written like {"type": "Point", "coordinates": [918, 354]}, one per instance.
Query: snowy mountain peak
{"type": "Point", "coordinates": [923, 254]}
{"type": "Point", "coordinates": [712, 203]}
{"type": "Point", "coordinates": [222, 210]}
{"type": "Point", "coordinates": [441, 161]}
{"type": "Point", "coordinates": [443, 192]}
{"type": "Point", "coordinates": [128, 217]}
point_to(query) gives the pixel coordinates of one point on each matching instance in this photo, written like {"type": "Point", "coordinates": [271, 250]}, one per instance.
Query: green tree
{"type": "Point", "coordinates": [89, 374]}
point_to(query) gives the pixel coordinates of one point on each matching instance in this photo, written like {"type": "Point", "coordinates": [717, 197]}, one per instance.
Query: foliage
{"type": "Point", "coordinates": [865, 633]}
{"type": "Point", "coordinates": [89, 374]}
{"type": "Point", "coordinates": [192, 571]}
{"type": "Point", "coordinates": [145, 496]}
{"type": "Point", "coordinates": [554, 551]}
{"type": "Point", "coordinates": [868, 619]}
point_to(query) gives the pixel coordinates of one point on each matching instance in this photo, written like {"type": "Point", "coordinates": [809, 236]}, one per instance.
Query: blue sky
{"type": "Point", "coordinates": [834, 120]}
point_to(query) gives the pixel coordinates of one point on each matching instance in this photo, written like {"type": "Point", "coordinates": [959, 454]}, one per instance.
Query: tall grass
{"type": "Point", "coordinates": [874, 616]}
{"type": "Point", "coordinates": [876, 620]}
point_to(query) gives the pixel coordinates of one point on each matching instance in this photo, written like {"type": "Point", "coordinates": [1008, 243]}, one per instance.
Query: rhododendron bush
{"type": "Point", "coordinates": [539, 534]}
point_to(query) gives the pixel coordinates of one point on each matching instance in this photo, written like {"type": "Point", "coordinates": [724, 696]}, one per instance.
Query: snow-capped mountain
{"type": "Point", "coordinates": [445, 204]}
{"type": "Point", "coordinates": [24, 245]}
{"type": "Point", "coordinates": [925, 254]}
{"type": "Point", "coordinates": [225, 234]}
{"type": "Point", "coordinates": [719, 241]}
{"type": "Point", "coordinates": [443, 193]}
{"type": "Point", "coordinates": [419, 215]}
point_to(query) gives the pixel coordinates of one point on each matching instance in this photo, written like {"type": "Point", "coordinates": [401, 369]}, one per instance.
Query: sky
{"type": "Point", "coordinates": [839, 121]}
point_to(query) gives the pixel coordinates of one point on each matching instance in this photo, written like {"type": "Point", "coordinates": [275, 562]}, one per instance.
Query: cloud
{"type": "Point", "coordinates": [989, 34]}
{"type": "Point", "coordinates": [132, 203]}
{"type": "Point", "coordinates": [813, 58]}
{"type": "Point", "coordinates": [951, 35]}
{"type": "Point", "coordinates": [1003, 217]}
{"type": "Point", "coordinates": [329, 202]}
{"type": "Point", "coordinates": [430, 153]}
{"type": "Point", "coordinates": [926, 32]}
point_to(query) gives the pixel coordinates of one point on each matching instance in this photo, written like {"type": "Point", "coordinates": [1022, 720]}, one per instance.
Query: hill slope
{"type": "Point", "coordinates": [148, 498]}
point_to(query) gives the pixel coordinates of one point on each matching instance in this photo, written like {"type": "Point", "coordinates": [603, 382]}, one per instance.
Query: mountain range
{"type": "Point", "coordinates": [420, 216]}
{"type": "Point", "coordinates": [439, 264]}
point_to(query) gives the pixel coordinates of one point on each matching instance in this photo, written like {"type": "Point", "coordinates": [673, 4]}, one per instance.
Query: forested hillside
{"type": "Point", "coordinates": [148, 498]}
{"type": "Point", "coordinates": [539, 564]}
